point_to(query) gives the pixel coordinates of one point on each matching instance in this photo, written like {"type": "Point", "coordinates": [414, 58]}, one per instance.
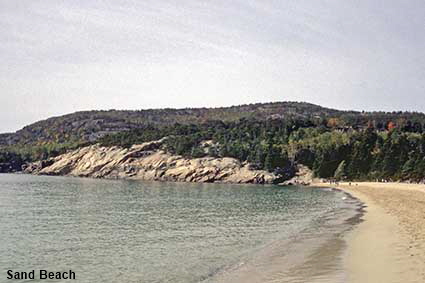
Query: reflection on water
{"type": "Point", "coordinates": [129, 231]}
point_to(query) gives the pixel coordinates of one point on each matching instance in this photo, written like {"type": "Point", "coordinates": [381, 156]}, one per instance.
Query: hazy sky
{"type": "Point", "coordinates": [62, 56]}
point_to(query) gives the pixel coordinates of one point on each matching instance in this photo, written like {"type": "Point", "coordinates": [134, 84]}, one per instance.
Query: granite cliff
{"type": "Point", "coordinates": [148, 161]}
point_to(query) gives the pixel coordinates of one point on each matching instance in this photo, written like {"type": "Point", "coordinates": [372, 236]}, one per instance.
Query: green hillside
{"type": "Point", "coordinates": [90, 125]}
{"type": "Point", "coordinates": [272, 136]}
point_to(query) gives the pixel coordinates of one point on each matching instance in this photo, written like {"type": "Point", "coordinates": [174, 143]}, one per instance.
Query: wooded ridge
{"type": "Point", "coordinates": [270, 136]}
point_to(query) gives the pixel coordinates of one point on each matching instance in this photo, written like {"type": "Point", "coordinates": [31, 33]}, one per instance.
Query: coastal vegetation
{"type": "Point", "coordinates": [277, 146]}
{"type": "Point", "coordinates": [345, 145]}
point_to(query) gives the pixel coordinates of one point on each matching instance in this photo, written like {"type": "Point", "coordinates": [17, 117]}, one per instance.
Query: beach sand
{"type": "Point", "coordinates": [389, 245]}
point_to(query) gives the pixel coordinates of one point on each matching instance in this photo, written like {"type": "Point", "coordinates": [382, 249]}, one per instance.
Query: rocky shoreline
{"type": "Point", "coordinates": [148, 161]}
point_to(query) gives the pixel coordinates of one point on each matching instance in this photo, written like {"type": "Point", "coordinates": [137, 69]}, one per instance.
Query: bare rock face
{"type": "Point", "coordinates": [304, 176]}
{"type": "Point", "coordinates": [148, 162]}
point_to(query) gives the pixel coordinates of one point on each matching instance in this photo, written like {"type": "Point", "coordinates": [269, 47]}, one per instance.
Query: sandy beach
{"type": "Point", "coordinates": [389, 245]}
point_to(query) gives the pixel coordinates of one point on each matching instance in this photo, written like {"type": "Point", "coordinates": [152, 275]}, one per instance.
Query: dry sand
{"type": "Point", "coordinates": [389, 245]}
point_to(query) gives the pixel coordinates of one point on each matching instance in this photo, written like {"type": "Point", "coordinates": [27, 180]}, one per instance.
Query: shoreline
{"type": "Point", "coordinates": [389, 244]}
{"type": "Point", "coordinates": [314, 255]}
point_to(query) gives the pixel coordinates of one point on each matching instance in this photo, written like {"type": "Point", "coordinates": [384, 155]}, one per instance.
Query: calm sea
{"type": "Point", "coordinates": [131, 231]}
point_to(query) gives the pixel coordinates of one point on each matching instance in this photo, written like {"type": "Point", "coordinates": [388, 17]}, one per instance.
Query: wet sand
{"type": "Point", "coordinates": [389, 245]}
{"type": "Point", "coordinates": [313, 255]}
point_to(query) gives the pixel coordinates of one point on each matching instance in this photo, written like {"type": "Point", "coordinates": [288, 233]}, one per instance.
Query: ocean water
{"type": "Point", "coordinates": [132, 231]}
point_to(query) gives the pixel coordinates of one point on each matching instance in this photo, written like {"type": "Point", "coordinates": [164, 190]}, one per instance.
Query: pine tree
{"type": "Point", "coordinates": [409, 166]}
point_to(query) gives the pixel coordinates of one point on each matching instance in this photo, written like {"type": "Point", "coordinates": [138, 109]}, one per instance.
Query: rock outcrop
{"type": "Point", "coordinates": [148, 161]}
{"type": "Point", "coordinates": [303, 176]}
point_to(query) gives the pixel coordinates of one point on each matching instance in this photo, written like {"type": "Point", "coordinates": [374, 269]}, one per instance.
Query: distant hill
{"type": "Point", "coordinates": [90, 125]}
{"type": "Point", "coordinates": [275, 137]}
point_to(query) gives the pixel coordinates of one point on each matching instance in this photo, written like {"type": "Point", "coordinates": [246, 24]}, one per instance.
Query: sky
{"type": "Point", "coordinates": [62, 56]}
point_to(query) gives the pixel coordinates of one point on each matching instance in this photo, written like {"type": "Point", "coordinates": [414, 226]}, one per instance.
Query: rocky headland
{"type": "Point", "coordinates": [148, 161]}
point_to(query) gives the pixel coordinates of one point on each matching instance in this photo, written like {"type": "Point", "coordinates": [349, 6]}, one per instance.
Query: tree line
{"type": "Point", "coordinates": [368, 150]}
